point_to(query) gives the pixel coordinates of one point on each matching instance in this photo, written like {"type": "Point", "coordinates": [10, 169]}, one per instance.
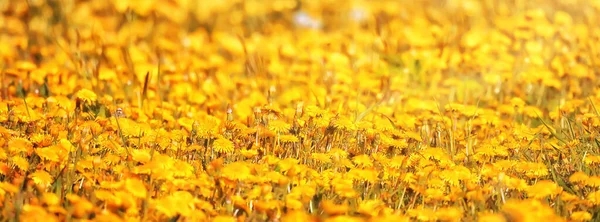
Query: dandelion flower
{"type": "Point", "coordinates": [293, 204]}
{"type": "Point", "coordinates": [592, 160]}
{"type": "Point", "coordinates": [223, 145]}
{"type": "Point", "coordinates": [279, 126]}
{"type": "Point", "coordinates": [249, 153]}
{"type": "Point", "coordinates": [48, 153]}
{"type": "Point", "coordinates": [321, 157]}
{"type": "Point", "coordinates": [422, 214]}
{"type": "Point", "coordinates": [397, 162]}
{"type": "Point", "coordinates": [449, 214]}
{"type": "Point", "coordinates": [544, 189]}
{"type": "Point", "coordinates": [20, 162]}
{"type": "Point", "coordinates": [207, 127]}
{"type": "Point", "coordinates": [593, 181]}
{"type": "Point", "coordinates": [343, 123]}
{"type": "Point", "coordinates": [142, 156]}
{"type": "Point", "coordinates": [42, 177]}
{"type": "Point", "coordinates": [86, 95]}
{"type": "Point", "coordinates": [364, 175]}
{"type": "Point", "coordinates": [331, 208]}
{"type": "Point", "coordinates": [17, 145]}
{"type": "Point", "coordinates": [136, 187]}
{"type": "Point", "coordinates": [363, 161]}
{"type": "Point", "coordinates": [581, 216]}
{"type": "Point", "coordinates": [297, 215]}
{"type": "Point", "coordinates": [370, 207]}
{"type": "Point", "coordinates": [529, 210]}
{"type": "Point", "coordinates": [236, 171]}
{"type": "Point", "coordinates": [288, 139]}
{"type": "Point", "coordinates": [594, 198]}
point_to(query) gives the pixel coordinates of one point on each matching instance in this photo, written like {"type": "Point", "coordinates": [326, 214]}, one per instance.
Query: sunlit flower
{"type": "Point", "coordinates": [321, 157]}
{"type": "Point", "coordinates": [543, 189]}
{"type": "Point", "coordinates": [288, 139]}
{"type": "Point", "coordinates": [279, 126]}
{"type": "Point", "coordinates": [593, 181]}
{"type": "Point", "coordinates": [136, 187]}
{"type": "Point", "coordinates": [42, 178]}
{"type": "Point", "coordinates": [236, 171]}
{"type": "Point", "coordinates": [371, 207]}
{"type": "Point", "coordinates": [86, 95]}
{"type": "Point", "coordinates": [299, 110]}
{"type": "Point", "coordinates": [581, 216]}
{"type": "Point", "coordinates": [363, 161]}
{"type": "Point", "coordinates": [223, 145]}
{"type": "Point", "coordinates": [331, 208]}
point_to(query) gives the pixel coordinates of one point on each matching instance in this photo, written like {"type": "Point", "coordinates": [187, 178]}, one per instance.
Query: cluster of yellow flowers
{"type": "Point", "coordinates": [299, 110]}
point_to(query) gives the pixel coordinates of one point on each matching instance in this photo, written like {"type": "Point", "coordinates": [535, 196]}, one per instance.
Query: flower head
{"type": "Point", "coordinates": [223, 145]}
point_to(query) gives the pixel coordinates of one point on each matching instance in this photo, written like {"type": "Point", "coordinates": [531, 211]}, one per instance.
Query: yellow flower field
{"type": "Point", "coordinates": [300, 110]}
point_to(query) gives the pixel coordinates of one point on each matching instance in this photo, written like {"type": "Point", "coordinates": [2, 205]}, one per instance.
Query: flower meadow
{"type": "Point", "coordinates": [299, 110]}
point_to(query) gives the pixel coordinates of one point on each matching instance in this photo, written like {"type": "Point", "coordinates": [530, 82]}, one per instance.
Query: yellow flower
{"type": "Point", "coordinates": [543, 189]}
{"type": "Point", "coordinates": [594, 198]}
{"type": "Point", "coordinates": [139, 155]}
{"type": "Point", "coordinates": [206, 127]}
{"type": "Point", "coordinates": [236, 171]}
{"type": "Point", "coordinates": [20, 162]}
{"type": "Point", "coordinates": [592, 160]}
{"type": "Point", "coordinates": [51, 199]}
{"type": "Point", "coordinates": [106, 73]}
{"type": "Point", "coordinates": [337, 154]}
{"type": "Point", "coordinates": [186, 123]}
{"type": "Point", "coordinates": [297, 216]}
{"type": "Point", "coordinates": [249, 153]}
{"type": "Point", "coordinates": [344, 188]}
{"type": "Point", "coordinates": [287, 164]}
{"type": "Point", "coordinates": [370, 207]}
{"type": "Point", "coordinates": [363, 161]}
{"type": "Point", "coordinates": [581, 216]}
{"type": "Point", "coordinates": [516, 183]}
{"type": "Point", "coordinates": [293, 204]}
{"type": "Point", "coordinates": [42, 177]}
{"type": "Point", "coordinates": [288, 139]}
{"type": "Point", "coordinates": [178, 202]}
{"type": "Point", "coordinates": [344, 123]}
{"type": "Point", "coordinates": [223, 145]}
{"type": "Point", "coordinates": [279, 126]}
{"type": "Point", "coordinates": [136, 187]}
{"type": "Point", "coordinates": [36, 213]}
{"type": "Point", "coordinates": [397, 162]}
{"type": "Point", "coordinates": [593, 181]}
{"type": "Point", "coordinates": [529, 210]}
{"type": "Point", "coordinates": [491, 217]}
{"type": "Point", "coordinates": [422, 214]}
{"type": "Point", "coordinates": [364, 175]}
{"type": "Point", "coordinates": [532, 170]}
{"type": "Point", "coordinates": [224, 219]}
{"type": "Point", "coordinates": [86, 95]}
{"type": "Point", "coordinates": [321, 157]}
{"type": "Point", "coordinates": [331, 208]}
{"type": "Point", "coordinates": [449, 214]}
{"type": "Point", "coordinates": [18, 145]}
